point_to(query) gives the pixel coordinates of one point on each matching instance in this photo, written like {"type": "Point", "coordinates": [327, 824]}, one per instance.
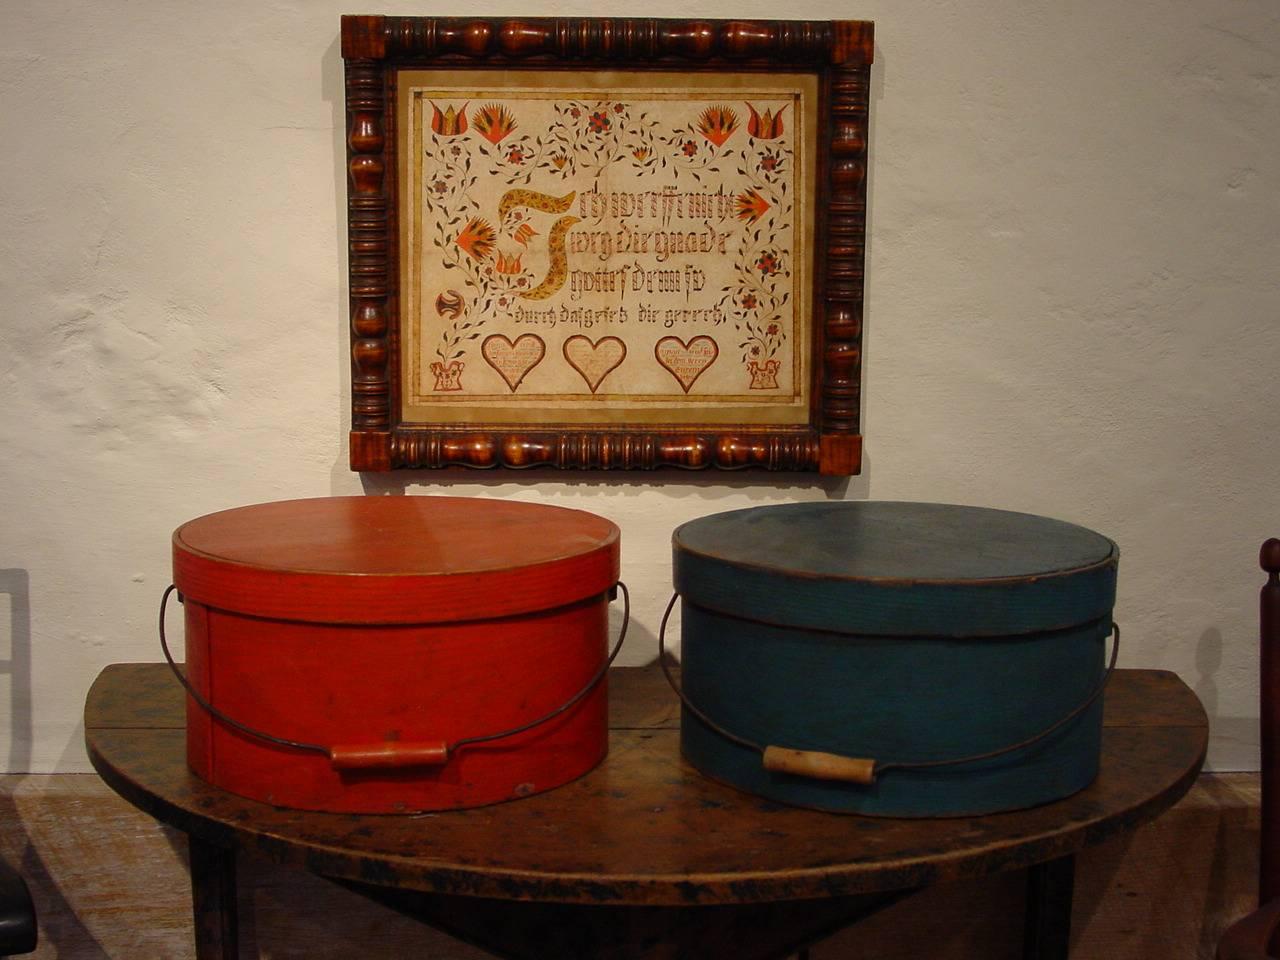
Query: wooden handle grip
{"type": "Point", "coordinates": [819, 766]}
{"type": "Point", "coordinates": [373, 756]}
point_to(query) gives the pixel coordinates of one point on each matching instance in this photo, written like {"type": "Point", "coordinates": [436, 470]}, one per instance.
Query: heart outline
{"type": "Point", "coordinates": [594, 348]}
{"type": "Point", "coordinates": [686, 348]}
{"type": "Point", "coordinates": [495, 341]}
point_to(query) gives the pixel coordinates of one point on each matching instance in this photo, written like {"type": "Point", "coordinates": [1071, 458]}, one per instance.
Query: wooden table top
{"type": "Point", "coordinates": [645, 827]}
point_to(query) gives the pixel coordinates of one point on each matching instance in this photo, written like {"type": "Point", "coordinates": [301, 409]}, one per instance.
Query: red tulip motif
{"type": "Point", "coordinates": [449, 122]}
{"type": "Point", "coordinates": [767, 125]}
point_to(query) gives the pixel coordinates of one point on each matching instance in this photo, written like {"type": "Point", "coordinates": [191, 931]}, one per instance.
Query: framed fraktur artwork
{"type": "Point", "coordinates": [606, 244]}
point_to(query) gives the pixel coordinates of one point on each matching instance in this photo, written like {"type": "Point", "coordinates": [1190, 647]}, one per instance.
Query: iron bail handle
{"type": "Point", "coordinates": [818, 765]}
{"type": "Point", "coordinates": [392, 754]}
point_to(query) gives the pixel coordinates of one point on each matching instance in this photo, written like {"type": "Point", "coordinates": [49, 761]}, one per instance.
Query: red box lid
{"type": "Point", "coordinates": [394, 559]}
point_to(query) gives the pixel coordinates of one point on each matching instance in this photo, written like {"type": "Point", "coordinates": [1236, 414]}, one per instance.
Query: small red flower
{"type": "Point", "coordinates": [755, 351]}
{"type": "Point", "coordinates": [618, 108]}
{"type": "Point", "coordinates": [515, 155]}
{"type": "Point", "coordinates": [599, 122]}
{"type": "Point", "coordinates": [689, 148]}
{"type": "Point", "coordinates": [772, 330]}
{"type": "Point", "coordinates": [439, 186]}
{"type": "Point", "coordinates": [749, 301]}
{"type": "Point", "coordinates": [768, 264]}
{"type": "Point", "coordinates": [575, 113]}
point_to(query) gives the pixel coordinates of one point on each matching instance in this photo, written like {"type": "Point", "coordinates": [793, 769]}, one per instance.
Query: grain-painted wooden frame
{"type": "Point", "coordinates": [377, 49]}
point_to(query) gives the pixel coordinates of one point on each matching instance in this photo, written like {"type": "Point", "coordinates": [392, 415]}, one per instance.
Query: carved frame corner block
{"type": "Point", "coordinates": [538, 426]}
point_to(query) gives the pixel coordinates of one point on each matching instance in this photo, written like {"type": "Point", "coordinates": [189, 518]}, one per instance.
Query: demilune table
{"type": "Point", "coordinates": [642, 857]}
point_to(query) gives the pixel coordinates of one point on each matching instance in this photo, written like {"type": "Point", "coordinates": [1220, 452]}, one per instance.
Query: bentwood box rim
{"type": "Point", "coordinates": [1110, 561]}
{"type": "Point", "coordinates": [732, 571]}
{"type": "Point", "coordinates": [1111, 558]}
{"type": "Point", "coordinates": [474, 559]}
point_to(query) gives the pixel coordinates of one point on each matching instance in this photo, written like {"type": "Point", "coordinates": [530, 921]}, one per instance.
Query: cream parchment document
{"type": "Point", "coordinates": [606, 247]}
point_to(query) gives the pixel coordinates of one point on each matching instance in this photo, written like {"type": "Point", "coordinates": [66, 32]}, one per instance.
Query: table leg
{"type": "Point", "coordinates": [1047, 935]}
{"type": "Point", "coordinates": [213, 897]}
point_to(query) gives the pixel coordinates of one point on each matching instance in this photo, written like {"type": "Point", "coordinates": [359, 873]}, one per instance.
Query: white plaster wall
{"type": "Point", "coordinates": [1072, 309]}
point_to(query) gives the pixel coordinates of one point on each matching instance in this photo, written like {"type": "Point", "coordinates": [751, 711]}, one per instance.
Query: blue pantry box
{"type": "Point", "coordinates": [904, 633]}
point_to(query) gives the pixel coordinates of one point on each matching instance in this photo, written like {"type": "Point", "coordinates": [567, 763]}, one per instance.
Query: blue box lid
{"type": "Point", "coordinates": [896, 569]}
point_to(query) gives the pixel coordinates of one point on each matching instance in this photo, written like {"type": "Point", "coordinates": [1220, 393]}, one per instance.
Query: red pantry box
{"type": "Point", "coordinates": [372, 634]}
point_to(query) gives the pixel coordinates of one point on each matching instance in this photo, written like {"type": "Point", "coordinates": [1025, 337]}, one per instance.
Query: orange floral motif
{"type": "Point", "coordinates": [765, 126]}
{"type": "Point", "coordinates": [559, 160]}
{"type": "Point", "coordinates": [477, 239]}
{"type": "Point", "coordinates": [523, 233]}
{"type": "Point", "coordinates": [751, 206]}
{"type": "Point", "coordinates": [717, 124]}
{"type": "Point", "coordinates": [494, 122]}
{"type": "Point", "coordinates": [508, 264]}
{"type": "Point", "coordinates": [641, 153]}
{"type": "Point", "coordinates": [451, 122]}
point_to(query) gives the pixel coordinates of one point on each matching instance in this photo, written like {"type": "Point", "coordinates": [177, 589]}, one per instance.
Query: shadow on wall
{"type": "Point", "coordinates": [707, 485]}
{"type": "Point", "coordinates": [333, 89]}
{"type": "Point", "coordinates": [1235, 738]}
{"type": "Point", "coordinates": [1208, 661]}
{"type": "Point", "coordinates": [16, 583]}
{"type": "Point", "coordinates": [59, 927]}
